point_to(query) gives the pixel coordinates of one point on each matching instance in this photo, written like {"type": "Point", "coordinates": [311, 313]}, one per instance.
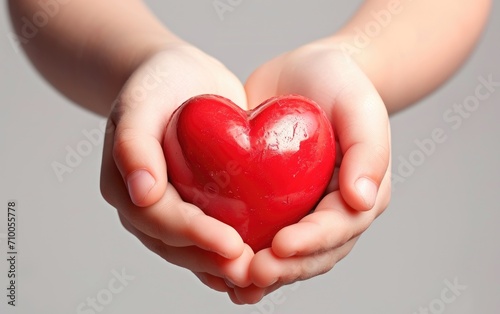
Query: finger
{"type": "Point", "coordinates": [198, 260]}
{"type": "Point", "coordinates": [362, 128]}
{"type": "Point", "coordinates": [332, 224]}
{"type": "Point", "coordinates": [268, 270]}
{"type": "Point", "coordinates": [214, 282]}
{"type": "Point", "coordinates": [234, 298]}
{"type": "Point", "coordinates": [365, 161]}
{"type": "Point", "coordinates": [140, 117]}
{"type": "Point", "coordinates": [249, 295]}
{"type": "Point", "coordinates": [140, 160]}
{"type": "Point", "coordinates": [180, 224]}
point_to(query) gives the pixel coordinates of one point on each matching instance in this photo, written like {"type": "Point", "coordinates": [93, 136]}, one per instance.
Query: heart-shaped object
{"type": "Point", "coordinates": [258, 170]}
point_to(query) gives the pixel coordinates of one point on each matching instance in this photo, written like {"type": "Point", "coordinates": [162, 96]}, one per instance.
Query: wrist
{"type": "Point", "coordinates": [125, 53]}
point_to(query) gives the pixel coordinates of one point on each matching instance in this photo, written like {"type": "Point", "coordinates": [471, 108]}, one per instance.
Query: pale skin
{"type": "Point", "coordinates": [100, 53]}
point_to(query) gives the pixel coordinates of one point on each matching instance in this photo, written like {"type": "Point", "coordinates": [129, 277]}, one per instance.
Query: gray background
{"type": "Point", "coordinates": [442, 224]}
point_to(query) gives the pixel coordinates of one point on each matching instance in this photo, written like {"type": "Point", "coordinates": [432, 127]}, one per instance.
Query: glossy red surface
{"type": "Point", "coordinates": [257, 170]}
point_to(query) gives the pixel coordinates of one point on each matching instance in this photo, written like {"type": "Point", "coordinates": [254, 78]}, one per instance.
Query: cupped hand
{"type": "Point", "coordinates": [134, 171]}
{"type": "Point", "coordinates": [360, 188]}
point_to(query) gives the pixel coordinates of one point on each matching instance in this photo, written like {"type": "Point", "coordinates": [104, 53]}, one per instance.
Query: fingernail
{"type": "Point", "coordinates": [139, 183]}
{"type": "Point", "coordinates": [229, 283]}
{"type": "Point", "coordinates": [368, 191]}
{"type": "Point", "coordinates": [273, 282]}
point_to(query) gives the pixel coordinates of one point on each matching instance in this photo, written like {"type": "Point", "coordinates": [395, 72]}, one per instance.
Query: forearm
{"type": "Point", "coordinates": [88, 49]}
{"type": "Point", "coordinates": [409, 48]}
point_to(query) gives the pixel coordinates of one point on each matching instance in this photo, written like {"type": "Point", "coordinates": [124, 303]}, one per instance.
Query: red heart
{"type": "Point", "coordinates": [257, 170]}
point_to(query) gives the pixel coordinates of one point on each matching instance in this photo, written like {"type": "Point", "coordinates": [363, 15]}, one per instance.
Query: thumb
{"type": "Point", "coordinates": [138, 155]}
{"type": "Point", "coordinates": [363, 132]}
{"type": "Point", "coordinates": [137, 147]}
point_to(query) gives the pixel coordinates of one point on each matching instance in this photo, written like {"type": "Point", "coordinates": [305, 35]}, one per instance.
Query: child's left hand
{"type": "Point", "coordinates": [360, 188]}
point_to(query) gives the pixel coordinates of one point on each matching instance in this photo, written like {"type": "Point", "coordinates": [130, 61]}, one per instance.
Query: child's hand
{"type": "Point", "coordinates": [360, 189]}
{"type": "Point", "coordinates": [134, 173]}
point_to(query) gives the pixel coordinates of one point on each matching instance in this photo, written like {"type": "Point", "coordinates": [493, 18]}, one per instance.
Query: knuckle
{"type": "Point", "coordinates": [344, 230]}
{"type": "Point", "coordinates": [379, 159]}
{"type": "Point", "coordinates": [317, 264]}
{"type": "Point", "coordinates": [123, 143]}
{"type": "Point", "coordinates": [381, 154]}
{"type": "Point", "coordinates": [151, 227]}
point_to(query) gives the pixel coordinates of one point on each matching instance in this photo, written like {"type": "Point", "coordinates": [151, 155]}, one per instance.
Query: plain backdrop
{"type": "Point", "coordinates": [441, 229]}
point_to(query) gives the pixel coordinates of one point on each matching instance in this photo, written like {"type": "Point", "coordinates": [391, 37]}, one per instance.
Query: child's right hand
{"type": "Point", "coordinates": [134, 172]}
